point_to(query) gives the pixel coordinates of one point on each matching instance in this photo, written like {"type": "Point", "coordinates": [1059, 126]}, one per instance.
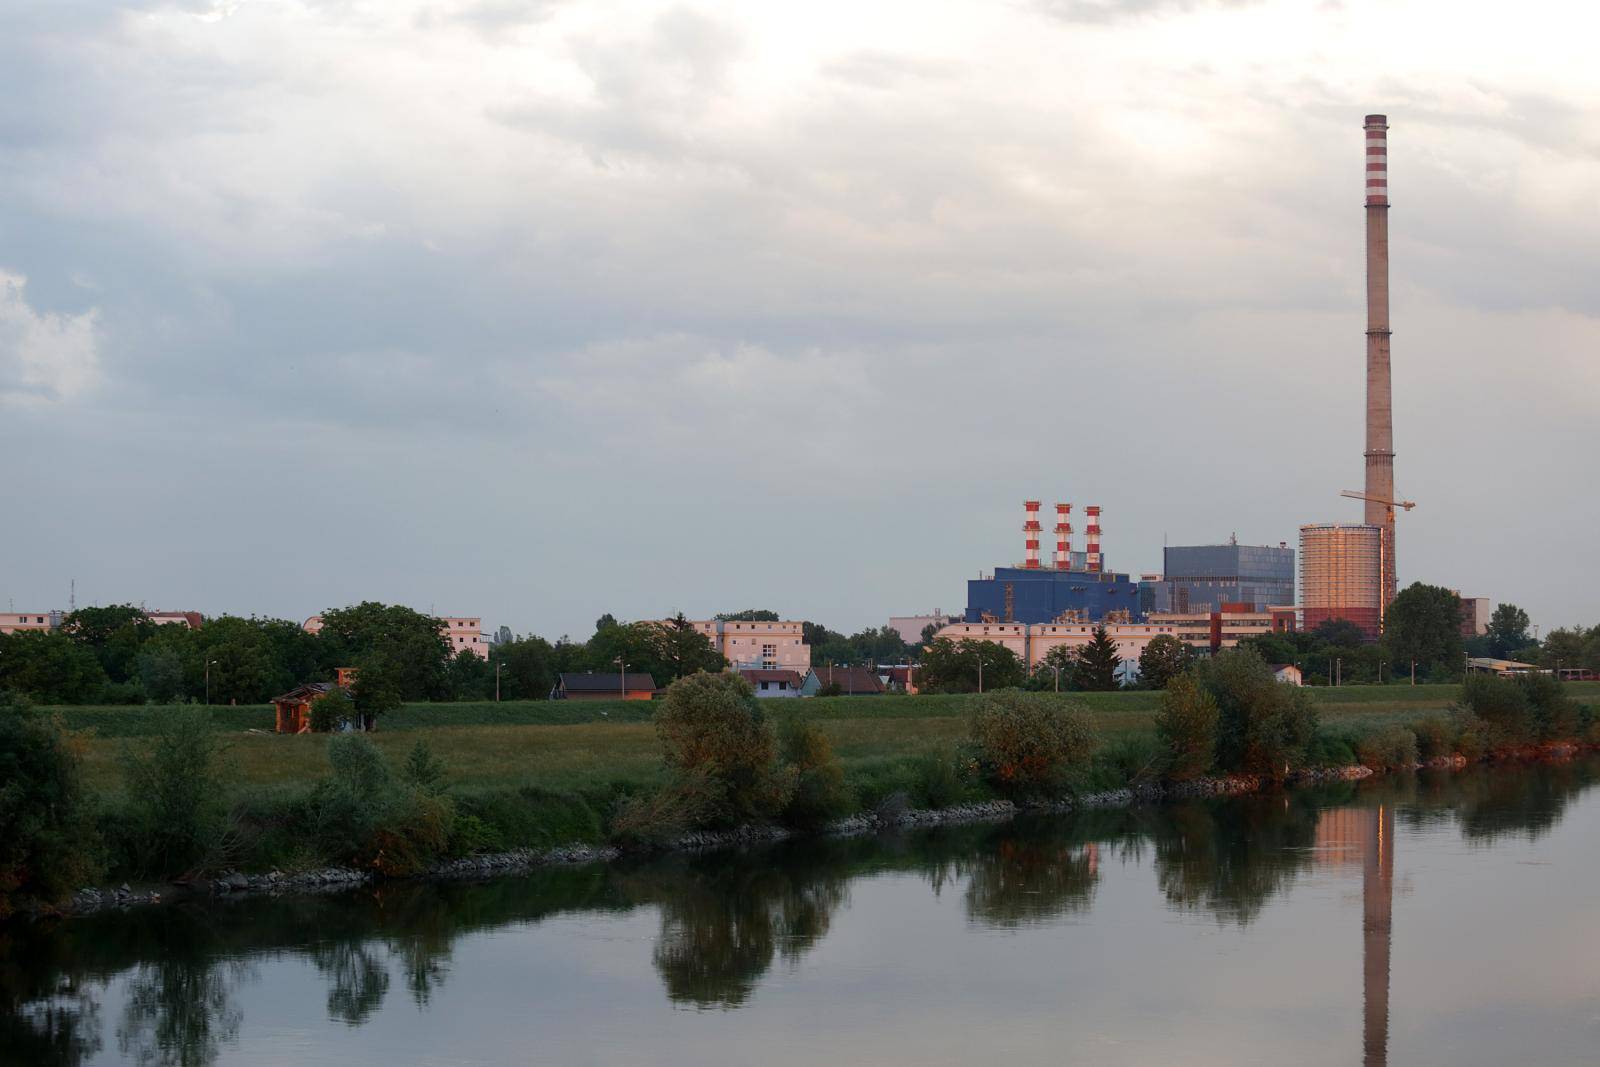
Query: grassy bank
{"type": "Point", "coordinates": [572, 746]}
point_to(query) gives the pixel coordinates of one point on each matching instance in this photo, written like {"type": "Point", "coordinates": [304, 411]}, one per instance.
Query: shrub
{"type": "Point", "coordinates": [820, 793]}
{"type": "Point", "coordinates": [1263, 725]}
{"type": "Point", "coordinates": [655, 817]}
{"type": "Point", "coordinates": [366, 815]}
{"type": "Point", "coordinates": [177, 796]}
{"type": "Point", "coordinates": [712, 727]}
{"type": "Point", "coordinates": [1186, 727]}
{"type": "Point", "coordinates": [423, 770]}
{"type": "Point", "coordinates": [1029, 744]}
{"type": "Point", "coordinates": [1472, 735]}
{"type": "Point", "coordinates": [1127, 761]}
{"type": "Point", "coordinates": [939, 779]}
{"type": "Point", "coordinates": [1330, 749]}
{"type": "Point", "coordinates": [45, 831]}
{"type": "Point", "coordinates": [1554, 714]}
{"type": "Point", "coordinates": [1391, 748]}
{"type": "Point", "coordinates": [1436, 739]}
{"type": "Point", "coordinates": [333, 710]}
{"type": "Point", "coordinates": [1501, 706]}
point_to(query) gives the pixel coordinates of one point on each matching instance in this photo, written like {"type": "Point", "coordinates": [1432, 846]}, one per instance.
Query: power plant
{"type": "Point", "coordinates": [1076, 587]}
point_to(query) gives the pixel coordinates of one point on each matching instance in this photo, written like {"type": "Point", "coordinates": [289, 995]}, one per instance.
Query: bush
{"type": "Point", "coordinates": [1436, 739]}
{"type": "Point", "coordinates": [820, 793]}
{"type": "Point", "coordinates": [1501, 706]}
{"type": "Point", "coordinates": [177, 796]}
{"type": "Point", "coordinates": [1125, 762]}
{"type": "Point", "coordinates": [1329, 749]}
{"type": "Point", "coordinates": [939, 779]}
{"type": "Point", "coordinates": [1029, 744]}
{"type": "Point", "coordinates": [714, 731]}
{"type": "Point", "coordinates": [1554, 714]}
{"type": "Point", "coordinates": [46, 835]}
{"type": "Point", "coordinates": [692, 799]}
{"type": "Point", "coordinates": [333, 710]}
{"type": "Point", "coordinates": [1263, 726]}
{"type": "Point", "coordinates": [1186, 727]}
{"type": "Point", "coordinates": [1389, 749]}
{"type": "Point", "coordinates": [365, 815]}
{"type": "Point", "coordinates": [1472, 736]}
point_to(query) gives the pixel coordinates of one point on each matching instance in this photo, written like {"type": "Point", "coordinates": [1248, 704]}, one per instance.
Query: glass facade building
{"type": "Point", "coordinates": [1341, 576]}
{"type": "Point", "coordinates": [1205, 577]}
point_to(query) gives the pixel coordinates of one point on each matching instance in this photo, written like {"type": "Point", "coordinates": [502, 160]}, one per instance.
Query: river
{"type": "Point", "coordinates": [1436, 918]}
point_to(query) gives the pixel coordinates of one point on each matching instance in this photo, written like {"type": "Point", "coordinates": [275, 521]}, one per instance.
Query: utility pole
{"type": "Point", "coordinates": [1338, 673]}
{"type": "Point", "coordinates": [1413, 672]}
{"type": "Point", "coordinates": [497, 666]}
{"type": "Point", "coordinates": [622, 676]}
{"type": "Point", "coordinates": [979, 654]}
{"type": "Point", "coordinates": [209, 664]}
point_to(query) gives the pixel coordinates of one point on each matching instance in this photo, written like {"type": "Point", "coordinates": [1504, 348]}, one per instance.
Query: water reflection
{"type": "Point", "coordinates": [184, 974]}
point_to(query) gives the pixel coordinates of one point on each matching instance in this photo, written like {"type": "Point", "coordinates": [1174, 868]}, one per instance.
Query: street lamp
{"type": "Point", "coordinates": [979, 653]}
{"type": "Point", "coordinates": [622, 675]}
{"type": "Point", "coordinates": [209, 664]}
{"type": "Point", "coordinates": [497, 666]}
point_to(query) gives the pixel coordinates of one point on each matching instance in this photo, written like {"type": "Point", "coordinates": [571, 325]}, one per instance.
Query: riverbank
{"type": "Point", "coordinates": [235, 885]}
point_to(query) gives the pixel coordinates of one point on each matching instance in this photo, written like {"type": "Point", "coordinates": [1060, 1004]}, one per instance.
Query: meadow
{"type": "Point", "coordinates": [600, 746]}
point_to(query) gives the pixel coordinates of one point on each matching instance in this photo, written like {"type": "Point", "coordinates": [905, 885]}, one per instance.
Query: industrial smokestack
{"type": "Point", "coordinates": [1063, 537]}
{"type": "Point", "coordinates": [1091, 554]}
{"type": "Point", "coordinates": [1030, 531]}
{"type": "Point", "coordinates": [1380, 410]}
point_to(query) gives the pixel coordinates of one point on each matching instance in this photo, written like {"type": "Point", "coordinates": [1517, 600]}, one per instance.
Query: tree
{"type": "Point", "coordinates": [1028, 744]}
{"type": "Point", "coordinates": [747, 615]}
{"type": "Point", "coordinates": [1186, 726]}
{"type": "Point", "coordinates": [50, 668]}
{"type": "Point", "coordinates": [240, 656]}
{"type": "Point", "coordinates": [410, 646]}
{"type": "Point", "coordinates": [527, 668]}
{"type": "Point", "coordinates": [1056, 670]}
{"type": "Point", "coordinates": [161, 672]}
{"type": "Point", "coordinates": [468, 676]}
{"type": "Point", "coordinates": [1508, 629]}
{"type": "Point", "coordinates": [929, 632]}
{"type": "Point", "coordinates": [1263, 726]}
{"type": "Point", "coordinates": [1423, 626]}
{"type": "Point", "coordinates": [1162, 660]}
{"type": "Point", "coordinates": [46, 827]}
{"type": "Point", "coordinates": [680, 649]}
{"type": "Point", "coordinates": [1098, 663]}
{"type": "Point", "coordinates": [114, 634]}
{"type": "Point", "coordinates": [376, 689]}
{"type": "Point", "coordinates": [712, 729]}
{"type": "Point", "coordinates": [953, 667]}
{"type": "Point", "coordinates": [1564, 647]}
{"type": "Point", "coordinates": [1340, 633]}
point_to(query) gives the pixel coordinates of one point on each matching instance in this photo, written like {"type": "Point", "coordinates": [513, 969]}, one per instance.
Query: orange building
{"type": "Point", "coordinates": [293, 709]}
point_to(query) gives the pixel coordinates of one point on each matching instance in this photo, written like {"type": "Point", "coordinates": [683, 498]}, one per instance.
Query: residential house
{"type": "Point", "coordinates": [592, 685]}
{"type": "Point", "coordinates": [852, 681]}
{"type": "Point", "coordinates": [773, 683]}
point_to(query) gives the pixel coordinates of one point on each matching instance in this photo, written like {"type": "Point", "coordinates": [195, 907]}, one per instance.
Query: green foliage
{"type": "Point", "coordinates": [940, 780]}
{"type": "Point", "coordinates": [1501, 705]}
{"type": "Point", "coordinates": [1339, 633]}
{"type": "Point", "coordinates": [423, 770]}
{"type": "Point", "coordinates": [1508, 630]}
{"type": "Point", "coordinates": [468, 676]}
{"type": "Point", "coordinates": [1028, 745]}
{"type": "Point", "coordinates": [404, 649]}
{"type": "Point", "coordinates": [1554, 714]}
{"type": "Point", "coordinates": [1186, 728]}
{"type": "Point", "coordinates": [712, 729]}
{"type": "Point", "coordinates": [333, 710]}
{"type": "Point", "coordinates": [864, 648]}
{"type": "Point", "coordinates": [527, 668]}
{"type": "Point", "coordinates": [366, 815]}
{"type": "Point", "coordinates": [46, 834]}
{"type": "Point", "coordinates": [1098, 662]}
{"type": "Point", "coordinates": [1436, 738]}
{"type": "Point", "coordinates": [160, 671]}
{"type": "Point", "coordinates": [953, 667]}
{"type": "Point", "coordinates": [1130, 760]}
{"type": "Point", "coordinates": [177, 789]}
{"type": "Point", "coordinates": [1423, 625]}
{"type": "Point", "coordinates": [1472, 735]}
{"type": "Point", "coordinates": [820, 794]}
{"type": "Point", "coordinates": [1329, 748]}
{"type": "Point", "coordinates": [1392, 748]}
{"type": "Point", "coordinates": [1264, 726]}
{"type": "Point", "coordinates": [377, 688]}
{"type": "Point", "coordinates": [749, 615]}
{"type": "Point", "coordinates": [1162, 660]}
{"type": "Point", "coordinates": [50, 668]}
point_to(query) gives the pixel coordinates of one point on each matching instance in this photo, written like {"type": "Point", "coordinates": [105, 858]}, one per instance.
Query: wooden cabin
{"type": "Point", "coordinates": [294, 707]}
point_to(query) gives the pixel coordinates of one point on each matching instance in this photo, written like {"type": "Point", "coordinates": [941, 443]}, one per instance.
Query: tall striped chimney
{"type": "Point", "coordinates": [1380, 409]}
{"type": "Point", "coordinates": [1030, 532]}
{"type": "Point", "coordinates": [1063, 537]}
{"type": "Point", "coordinates": [1091, 557]}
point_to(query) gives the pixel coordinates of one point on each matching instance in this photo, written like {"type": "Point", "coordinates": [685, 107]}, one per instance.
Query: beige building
{"type": "Point", "coordinates": [13, 622]}
{"type": "Point", "coordinates": [758, 645]}
{"type": "Point", "coordinates": [1204, 632]}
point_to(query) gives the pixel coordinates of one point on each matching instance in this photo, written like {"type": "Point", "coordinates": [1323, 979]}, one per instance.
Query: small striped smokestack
{"type": "Point", "coordinates": [1030, 531]}
{"type": "Point", "coordinates": [1091, 558]}
{"type": "Point", "coordinates": [1063, 537]}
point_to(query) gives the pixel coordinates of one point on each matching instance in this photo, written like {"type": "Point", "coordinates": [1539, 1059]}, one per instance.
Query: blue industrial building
{"type": "Point", "coordinates": [1205, 577]}
{"type": "Point", "coordinates": [1020, 594]}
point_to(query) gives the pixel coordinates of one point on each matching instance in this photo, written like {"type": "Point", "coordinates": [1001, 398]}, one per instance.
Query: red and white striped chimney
{"type": "Point", "coordinates": [1030, 531]}
{"type": "Point", "coordinates": [1091, 558]}
{"type": "Point", "coordinates": [1063, 538]}
{"type": "Point", "coordinates": [1377, 127]}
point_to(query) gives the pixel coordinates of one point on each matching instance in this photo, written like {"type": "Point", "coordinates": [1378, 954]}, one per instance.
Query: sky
{"type": "Point", "coordinates": [540, 310]}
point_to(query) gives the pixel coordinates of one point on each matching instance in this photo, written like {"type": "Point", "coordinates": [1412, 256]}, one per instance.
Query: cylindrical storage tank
{"type": "Point", "coordinates": [1341, 575]}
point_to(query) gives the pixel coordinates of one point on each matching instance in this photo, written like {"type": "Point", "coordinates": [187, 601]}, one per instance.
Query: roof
{"type": "Point", "coordinates": [305, 690]}
{"type": "Point", "coordinates": [590, 682]}
{"type": "Point", "coordinates": [1278, 667]}
{"type": "Point", "coordinates": [850, 679]}
{"type": "Point", "coordinates": [765, 674]}
{"type": "Point", "coordinates": [1487, 664]}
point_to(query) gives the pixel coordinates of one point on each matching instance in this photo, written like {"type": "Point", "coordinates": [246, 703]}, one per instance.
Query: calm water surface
{"type": "Point", "coordinates": [1437, 919]}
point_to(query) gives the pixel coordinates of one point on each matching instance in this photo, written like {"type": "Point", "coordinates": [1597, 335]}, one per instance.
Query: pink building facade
{"type": "Point", "coordinates": [758, 645]}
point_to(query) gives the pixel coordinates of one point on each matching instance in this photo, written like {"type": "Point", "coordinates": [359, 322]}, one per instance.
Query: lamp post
{"type": "Point", "coordinates": [497, 666]}
{"type": "Point", "coordinates": [979, 653]}
{"type": "Point", "coordinates": [622, 676]}
{"type": "Point", "coordinates": [209, 664]}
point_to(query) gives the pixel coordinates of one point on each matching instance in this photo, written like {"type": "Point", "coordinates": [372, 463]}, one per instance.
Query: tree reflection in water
{"type": "Point", "coordinates": [725, 918]}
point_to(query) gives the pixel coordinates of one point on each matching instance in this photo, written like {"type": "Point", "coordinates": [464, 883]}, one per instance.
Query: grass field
{"type": "Point", "coordinates": [564, 746]}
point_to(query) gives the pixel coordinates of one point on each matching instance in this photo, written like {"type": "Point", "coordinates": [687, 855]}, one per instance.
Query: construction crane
{"type": "Point", "coordinates": [1404, 505]}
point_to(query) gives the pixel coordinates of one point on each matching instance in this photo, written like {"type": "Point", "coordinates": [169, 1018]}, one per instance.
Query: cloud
{"type": "Point", "coordinates": [1108, 11]}
{"type": "Point", "coordinates": [44, 358]}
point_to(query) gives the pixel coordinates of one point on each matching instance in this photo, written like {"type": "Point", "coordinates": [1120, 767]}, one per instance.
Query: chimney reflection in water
{"type": "Point", "coordinates": [1377, 902]}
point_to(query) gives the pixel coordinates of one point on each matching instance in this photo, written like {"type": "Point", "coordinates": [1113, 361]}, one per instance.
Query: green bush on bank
{"type": "Point", "coordinates": [1029, 745]}
{"type": "Point", "coordinates": [176, 808]}
{"type": "Point", "coordinates": [1263, 726]}
{"type": "Point", "coordinates": [46, 831]}
{"type": "Point", "coordinates": [1186, 728]}
{"type": "Point", "coordinates": [1389, 749]}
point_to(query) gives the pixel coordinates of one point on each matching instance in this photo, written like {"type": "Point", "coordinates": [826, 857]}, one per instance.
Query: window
{"type": "Point", "coordinates": [766, 685]}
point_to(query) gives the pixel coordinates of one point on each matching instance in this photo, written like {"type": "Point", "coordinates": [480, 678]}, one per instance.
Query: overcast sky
{"type": "Point", "coordinates": [539, 310]}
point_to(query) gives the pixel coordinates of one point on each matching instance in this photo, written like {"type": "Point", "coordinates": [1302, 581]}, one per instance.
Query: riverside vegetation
{"type": "Point", "coordinates": [173, 808]}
